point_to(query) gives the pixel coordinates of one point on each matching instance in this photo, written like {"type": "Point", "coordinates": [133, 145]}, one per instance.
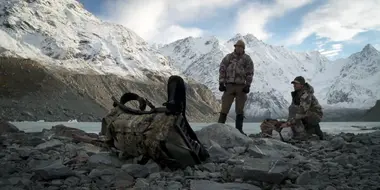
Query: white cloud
{"type": "Point", "coordinates": [333, 51]}
{"type": "Point", "coordinates": [377, 46]}
{"type": "Point", "coordinates": [253, 17]}
{"type": "Point", "coordinates": [157, 20]}
{"type": "Point", "coordinates": [175, 32]}
{"type": "Point", "coordinates": [339, 20]}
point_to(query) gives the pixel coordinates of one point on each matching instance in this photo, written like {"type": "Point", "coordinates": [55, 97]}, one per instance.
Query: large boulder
{"type": "Point", "coordinates": [250, 159]}
{"type": "Point", "coordinates": [224, 135]}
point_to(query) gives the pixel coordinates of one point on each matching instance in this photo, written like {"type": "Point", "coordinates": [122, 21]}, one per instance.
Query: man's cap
{"type": "Point", "coordinates": [240, 43]}
{"type": "Point", "coordinates": [299, 80]}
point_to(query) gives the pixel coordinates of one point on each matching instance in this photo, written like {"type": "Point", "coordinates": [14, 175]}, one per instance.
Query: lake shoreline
{"type": "Point", "coordinates": [249, 128]}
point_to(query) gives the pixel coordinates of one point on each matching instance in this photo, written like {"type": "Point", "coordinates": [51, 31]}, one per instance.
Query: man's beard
{"type": "Point", "coordinates": [239, 53]}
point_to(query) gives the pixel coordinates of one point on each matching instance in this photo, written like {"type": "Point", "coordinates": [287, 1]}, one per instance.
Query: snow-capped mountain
{"type": "Point", "coordinates": [337, 84]}
{"type": "Point", "coordinates": [275, 68]}
{"type": "Point", "coordinates": [62, 32]}
{"type": "Point", "coordinates": [358, 81]}
{"type": "Point", "coordinates": [88, 60]}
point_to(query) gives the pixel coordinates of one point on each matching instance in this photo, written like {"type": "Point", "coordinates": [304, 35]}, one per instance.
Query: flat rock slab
{"type": "Point", "coordinates": [270, 148]}
{"type": "Point", "coordinates": [49, 144]}
{"type": "Point", "coordinates": [224, 135]}
{"type": "Point", "coordinates": [217, 153]}
{"type": "Point", "coordinates": [136, 170]}
{"type": "Point", "coordinates": [104, 158]}
{"type": "Point", "coordinates": [53, 171]}
{"type": "Point", "coordinates": [212, 185]}
{"type": "Point", "coordinates": [266, 170]}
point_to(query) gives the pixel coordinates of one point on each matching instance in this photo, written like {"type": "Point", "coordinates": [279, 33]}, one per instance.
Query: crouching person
{"type": "Point", "coordinates": [305, 112]}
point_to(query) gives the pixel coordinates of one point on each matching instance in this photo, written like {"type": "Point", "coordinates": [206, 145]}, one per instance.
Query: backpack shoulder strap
{"type": "Point", "coordinates": [176, 89]}
{"type": "Point", "coordinates": [129, 96]}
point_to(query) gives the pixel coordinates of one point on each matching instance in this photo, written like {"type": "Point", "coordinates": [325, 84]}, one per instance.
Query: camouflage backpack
{"type": "Point", "coordinates": [268, 125]}
{"type": "Point", "coordinates": [162, 134]}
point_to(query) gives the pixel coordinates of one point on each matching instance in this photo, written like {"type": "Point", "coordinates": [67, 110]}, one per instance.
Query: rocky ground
{"type": "Point", "coordinates": [51, 159]}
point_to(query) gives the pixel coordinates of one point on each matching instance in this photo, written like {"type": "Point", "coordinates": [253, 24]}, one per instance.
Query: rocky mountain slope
{"type": "Point", "coordinates": [358, 81]}
{"type": "Point", "coordinates": [31, 92]}
{"type": "Point", "coordinates": [339, 85]}
{"type": "Point", "coordinates": [373, 114]}
{"type": "Point", "coordinates": [77, 60]}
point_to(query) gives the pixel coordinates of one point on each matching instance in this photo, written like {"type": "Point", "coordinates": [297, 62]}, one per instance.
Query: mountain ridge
{"type": "Point", "coordinates": [275, 67]}
{"type": "Point", "coordinates": [65, 36]}
{"type": "Point", "coordinates": [86, 59]}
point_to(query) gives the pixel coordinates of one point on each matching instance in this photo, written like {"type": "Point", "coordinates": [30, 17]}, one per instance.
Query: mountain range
{"type": "Point", "coordinates": [350, 83]}
{"type": "Point", "coordinates": [55, 55]}
{"type": "Point", "coordinates": [100, 59]}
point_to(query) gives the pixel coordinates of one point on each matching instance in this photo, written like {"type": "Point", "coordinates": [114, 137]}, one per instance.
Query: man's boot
{"type": "Point", "coordinates": [222, 118]}
{"type": "Point", "coordinates": [319, 132]}
{"type": "Point", "coordinates": [239, 123]}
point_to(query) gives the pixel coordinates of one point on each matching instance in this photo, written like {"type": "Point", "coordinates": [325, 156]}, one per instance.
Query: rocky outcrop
{"type": "Point", "coordinates": [373, 114]}
{"type": "Point", "coordinates": [31, 92]}
{"type": "Point", "coordinates": [51, 159]}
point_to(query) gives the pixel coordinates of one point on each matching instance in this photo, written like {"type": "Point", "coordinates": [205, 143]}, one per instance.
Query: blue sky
{"type": "Point", "coordinates": [336, 28]}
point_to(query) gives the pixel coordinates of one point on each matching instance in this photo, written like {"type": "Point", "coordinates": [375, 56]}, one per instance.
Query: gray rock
{"type": "Point", "coordinates": [49, 144]}
{"type": "Point", "coordinates": [224, 135]}
{"type": "Point", "coordinates": [235, 162]}
{"type": "Point", "coordinates": [337, 143]}
{"type": "Point", "coordinates": [123, 180]}
{"type": "Point", "coordinates": [330, 188]}
{"type": "Point", "coordinates": [212, 185]}
{"type": "Point", "coordinates": [200, 174]}
{"type": "Point", "coordinates": [306, 177]}
{"type": "Point", "coordinates": [152, 166]}
{"type": "Point", "coordinates": [123, 183]}
{"type": "Point", "coordinates": [266, 170]}
{"type": "Point", "coordinates": [174, 185]}
{"type": "Point", "coordinates": [210, 167]}
{"type": "Point", "coordinates": [188, 171]}
{"type": "Point", "coordinates": [89, 148]}
{"type": "Point", "coordinates": [72, 181]}
{"type": "Point", "coordinates": [154, 176]}
{"type": "Point", "coordinates": [264, 147]}
{"type": "Point", "coordinates": [217, 153]}
{"type": "Point", "coordinates": [53, 171]}
{"type": "Point", "coordinates": [136, 170]}
{"type": "Point", "coordinates": [97, 172]}
{"type": "Point", "coordinates": [141, 183]}
{"type": "Point", "coordinates": [57, 182]}
{"type": "Point", "coordinates": [215, 175]}
{"type": "Point", "coordinates": [256, 152]}
{"type": "Point", "coordinates": [104, 158]}
{"type": "Point", "coordinates": [239, 150]}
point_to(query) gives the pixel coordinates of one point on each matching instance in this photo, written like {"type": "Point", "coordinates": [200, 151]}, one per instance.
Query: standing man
{"type": "Point", "coordinates": [307, 111]}
{"type": "Point", "coordinates": [235, 78]}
